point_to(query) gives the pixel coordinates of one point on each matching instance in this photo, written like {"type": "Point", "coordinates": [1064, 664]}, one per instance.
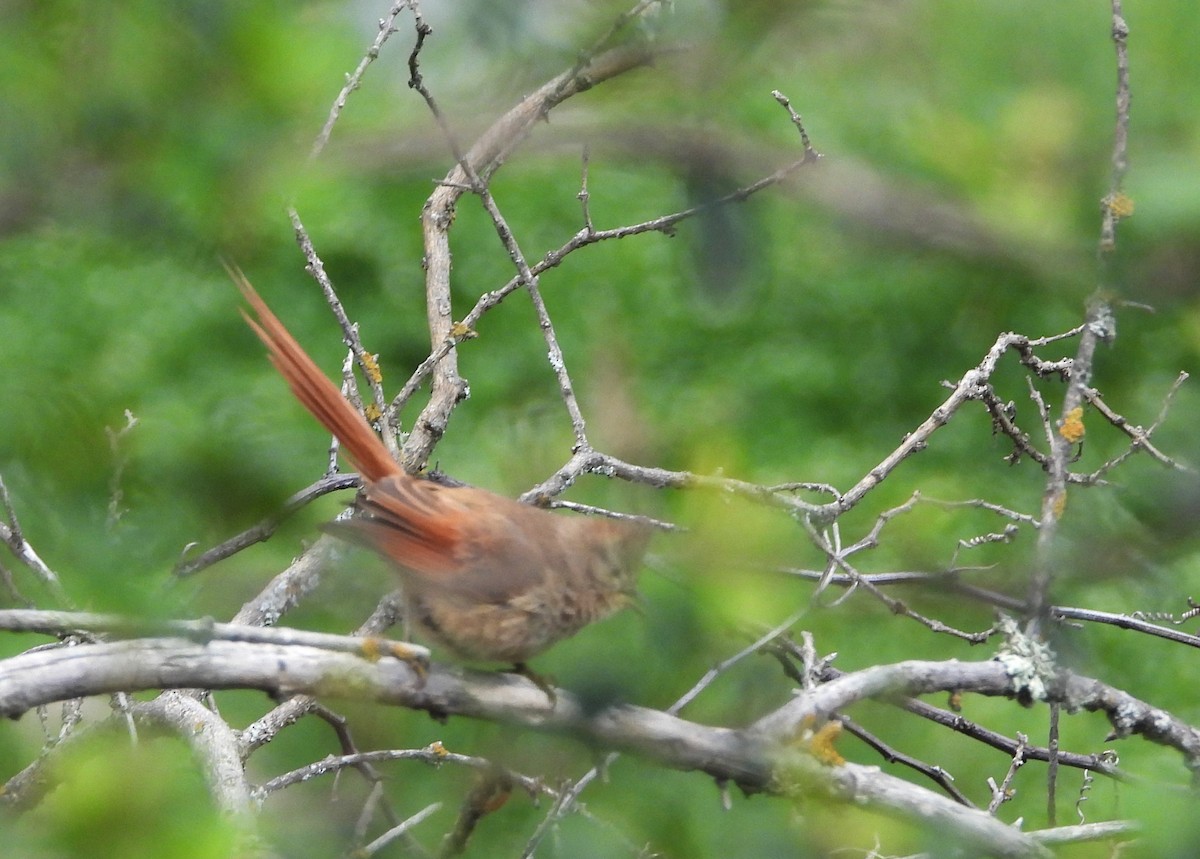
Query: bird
{"type": "Point", "coordinates": [487, 577]}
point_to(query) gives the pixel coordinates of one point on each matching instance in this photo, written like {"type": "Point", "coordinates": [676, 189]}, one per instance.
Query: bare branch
{"type": "Point", "coordinates": [484, 158]}
{"type": "Point", "coordinates": [434, 754]}
{"type": "Point", "coordinates": [365, 360]}
{"type": "Point", "coordinates": [1003, 792]}
{"type": "Point", "coordinates": [1115, 204]}
{"type": "Point", "coordinates": [387, 26]}
{"type": "Point", "coordinates": [214, 743]}
{"type": "Point", "coordinates": [753, 758]}
{"type": "Point", "coordinates": [202, 631]}
{"type": "Point", "coordinates": [11, 536]}
{"type": "Point", "coordinates": [1139, 437]}
{"type": "Point", "coordinates": [1087, 832]}
{"type": "Point", "coordinates": [263, 530]}
{"type": "Point", "coordinates": [398, 830]}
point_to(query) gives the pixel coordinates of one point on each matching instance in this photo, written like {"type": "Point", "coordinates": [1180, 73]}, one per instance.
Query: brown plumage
{"type": "Point", "coordinates": [488, 577]}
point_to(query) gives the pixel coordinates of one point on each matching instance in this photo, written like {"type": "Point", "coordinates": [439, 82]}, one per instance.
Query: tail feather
{"type": "Point", "coordinates": [315, 391]}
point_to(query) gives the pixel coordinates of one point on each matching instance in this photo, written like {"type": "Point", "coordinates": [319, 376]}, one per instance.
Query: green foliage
{"type": "Point", "coordinates": [796, 336]}
{"type": "Point", "coordinates": [117, 799]}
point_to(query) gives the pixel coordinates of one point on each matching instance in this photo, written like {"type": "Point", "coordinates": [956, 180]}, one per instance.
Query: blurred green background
{"type": "Point", "coordinates": [795, 337]}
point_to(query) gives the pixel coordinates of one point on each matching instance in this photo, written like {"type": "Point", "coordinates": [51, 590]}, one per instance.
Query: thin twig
{"type": "Point", "coordinates": [261, 531]}
{"type": "Point", "coordinates": [12, 536]}
{"type": "Point", "coordinates": [396, 831]}
{"type": "Point", "coordinates": [1100, 326]}
{"type": "Point", "coordinates": [365, 361]}
{"type": "Point", "coordinates": [1003, 792]}
{"type": "Point", "coordinates": [1115, 206]}
{"type": "Point", "coordinates": [567, 797]}
{"type": "Point", "coordinates": [434, 754]}
{"type": "Point", "coordinates": [61, 623]}
{"type": "Point", "coordinates": [387, 26]}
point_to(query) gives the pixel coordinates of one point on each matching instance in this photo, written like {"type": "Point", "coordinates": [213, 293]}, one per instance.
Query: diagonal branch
{"type": "Point", "coordinates": [483, 159]}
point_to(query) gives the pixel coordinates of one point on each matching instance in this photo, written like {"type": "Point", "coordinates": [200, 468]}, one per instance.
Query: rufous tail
{"type": "Point", "coordinates": [315, 391]}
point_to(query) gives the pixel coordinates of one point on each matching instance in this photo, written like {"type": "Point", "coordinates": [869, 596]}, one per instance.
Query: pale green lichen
{"type": "Point", "coordinates": [1029, 662]}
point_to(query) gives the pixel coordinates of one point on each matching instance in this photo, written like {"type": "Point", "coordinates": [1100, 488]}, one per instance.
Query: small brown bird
{"type": "Point", "coordinates": [486, 576]}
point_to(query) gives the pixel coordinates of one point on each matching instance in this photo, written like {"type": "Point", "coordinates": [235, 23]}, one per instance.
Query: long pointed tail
{"type": "Point", "coordinates": [315, 391]}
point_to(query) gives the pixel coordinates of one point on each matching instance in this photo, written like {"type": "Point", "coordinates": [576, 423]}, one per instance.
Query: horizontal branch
{"type": "Point", "coordinates": [204, 631]}
{"type": "Point", "coordinates": [286, 662]}
{"type": "Point", "coordinates": [753, 759]}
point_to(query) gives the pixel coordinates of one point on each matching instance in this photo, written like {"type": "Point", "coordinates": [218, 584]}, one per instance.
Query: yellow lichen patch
{"type": "Point", "coordinates": [1121, 205]}
{"type": "Point", "coordinates": [374, 648]}
{"type": "Point", "coordinates": [370, 365]}
{"type": "Point", "coordinates": [822, 744]}
{"type": "Point", "coordinates": [462, 331]}
{"type": "Point", "coordinates": [372, 412]}
{"type": "Point", "coordinates": [1072, 425]}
